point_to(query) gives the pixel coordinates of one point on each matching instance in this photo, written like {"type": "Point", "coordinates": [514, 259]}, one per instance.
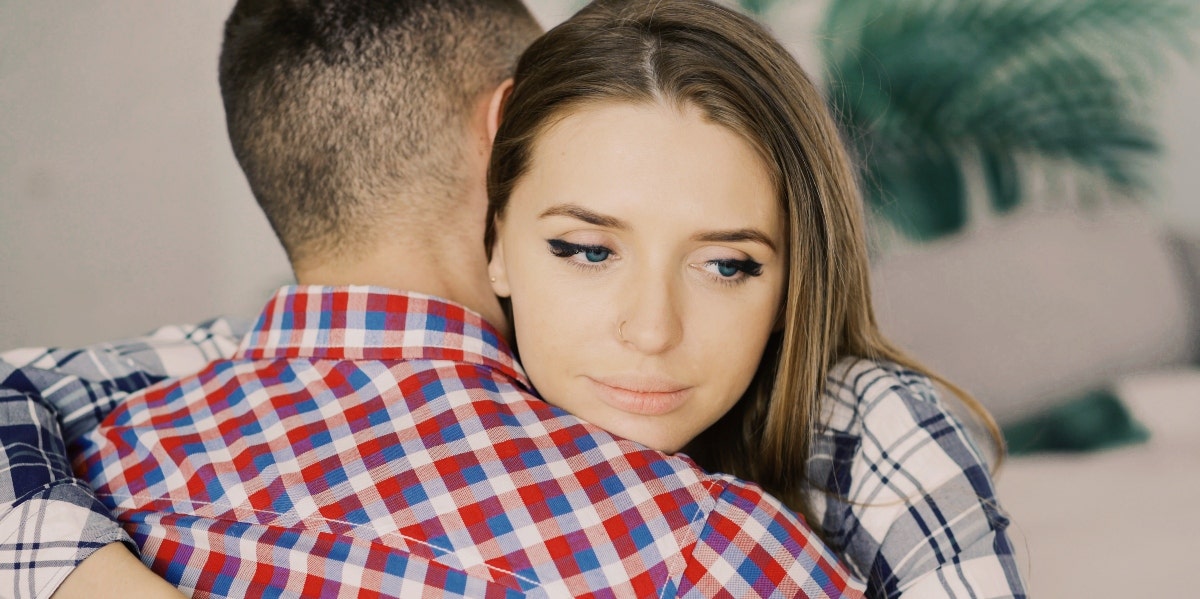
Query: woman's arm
{"type": "Point", "coordinates": [81, 386]}
{"type": "Point", "coordinates": [49, 520]}
{"type": "Point", "coordinates": [918, 515]}
{"type": "Point", "coordinates": [112, 572]}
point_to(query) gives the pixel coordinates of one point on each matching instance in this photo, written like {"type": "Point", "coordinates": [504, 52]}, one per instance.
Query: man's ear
{"type": "Point", "coordinates": [497, 270]}
{"type": "Point", "coordinates": [496, 107]}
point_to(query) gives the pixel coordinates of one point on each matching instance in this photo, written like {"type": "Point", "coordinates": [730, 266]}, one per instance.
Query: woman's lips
{"type": "Point", "coordinates": [646, 397]}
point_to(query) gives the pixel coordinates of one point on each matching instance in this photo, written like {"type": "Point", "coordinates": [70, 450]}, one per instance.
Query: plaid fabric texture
{"type": "Point", "coordinates": [49, 520]}
{"type": "Point", "coordinates": [370, 443]}
{"type": "Point", "coordinates": [908, 499]}
{"type": "Point", "coordinates": [920, 517]}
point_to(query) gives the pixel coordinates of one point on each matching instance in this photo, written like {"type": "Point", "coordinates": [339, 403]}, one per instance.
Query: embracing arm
{"type": "Point", "coordinates": [112, 572]}
{"type": "Point", "coordinates": [920, 516]}
{"type": "Point", "coordinates": [49, 520]}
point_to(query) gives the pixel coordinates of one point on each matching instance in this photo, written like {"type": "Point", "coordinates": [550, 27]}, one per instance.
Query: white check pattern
{"type": "Point", "coordinates": [918, 515]}
{"type": "Point", "coordinates": [49, 520]}
{"type": "Point", "coordinates": [919, 519]}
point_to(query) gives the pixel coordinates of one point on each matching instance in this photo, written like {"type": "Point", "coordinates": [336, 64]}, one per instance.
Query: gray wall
{"type": "Point", "coordinates": [121, 207]}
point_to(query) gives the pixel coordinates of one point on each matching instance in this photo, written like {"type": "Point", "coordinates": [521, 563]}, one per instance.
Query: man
{"type": "Point", "coordinates": [366, 440]}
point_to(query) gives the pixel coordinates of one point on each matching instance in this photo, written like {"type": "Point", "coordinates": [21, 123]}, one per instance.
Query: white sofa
{"type": "Point", "coordinates": [1043, 307]}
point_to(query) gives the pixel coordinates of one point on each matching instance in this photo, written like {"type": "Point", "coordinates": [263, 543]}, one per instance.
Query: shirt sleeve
{"type": "Point", "coordinates": [49, 520]}
{"type": "Point", "coordinates": [917, 513]}
{"type": "Point", "coordinates": [750, 546]}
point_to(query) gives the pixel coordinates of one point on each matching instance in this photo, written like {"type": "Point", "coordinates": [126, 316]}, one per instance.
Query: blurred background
{"type": "Point", "coordinates": [1031, 168]}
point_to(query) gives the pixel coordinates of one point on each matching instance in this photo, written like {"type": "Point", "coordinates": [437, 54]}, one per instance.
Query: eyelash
{"type": "Point", "coordinates": [564, 249]}
{"type": "Point", "coordinates": [744, 270]}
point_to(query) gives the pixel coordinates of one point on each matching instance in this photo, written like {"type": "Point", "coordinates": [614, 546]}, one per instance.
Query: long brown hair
{"type": "Point", "coordinates": [697, 53]}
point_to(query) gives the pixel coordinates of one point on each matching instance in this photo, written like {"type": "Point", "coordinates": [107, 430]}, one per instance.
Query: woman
{"type": "Point", "coordinates": [676, 224]}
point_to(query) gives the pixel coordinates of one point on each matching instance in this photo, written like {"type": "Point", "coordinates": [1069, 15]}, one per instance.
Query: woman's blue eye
{"type": "Point", "coordinates": [734, 270]}
{"type": "Point", "coordinates": [595, 254]}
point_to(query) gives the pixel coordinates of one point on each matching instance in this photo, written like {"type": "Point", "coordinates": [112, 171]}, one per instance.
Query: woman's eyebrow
{"type": "Point", "coordinates": [585, 215]}
{"type": "Point", "coordinates": [736, 235]}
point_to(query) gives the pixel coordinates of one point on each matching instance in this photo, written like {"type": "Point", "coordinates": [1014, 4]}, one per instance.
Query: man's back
{"type": "Point", "coordinates": [367, 441]}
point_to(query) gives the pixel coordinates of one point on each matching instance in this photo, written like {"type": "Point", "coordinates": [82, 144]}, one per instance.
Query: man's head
{"type": "Point", "coordinates": [349, 114]}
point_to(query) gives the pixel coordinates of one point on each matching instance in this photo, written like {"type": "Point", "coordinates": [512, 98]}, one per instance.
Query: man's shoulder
{"type": "Point", "coordinates": [442, 406]}
{"type": "Point", "coordinates": [751, 543]}
{"type": "Point", "coordinates": [456, 448]}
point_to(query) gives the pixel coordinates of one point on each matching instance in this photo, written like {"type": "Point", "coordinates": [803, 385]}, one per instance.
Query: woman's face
{"type": "Point", "coordinates": [644, 254]}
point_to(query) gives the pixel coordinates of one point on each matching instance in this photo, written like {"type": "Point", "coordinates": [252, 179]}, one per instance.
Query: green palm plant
{"type": "Point", "coordinates": [932, 92]}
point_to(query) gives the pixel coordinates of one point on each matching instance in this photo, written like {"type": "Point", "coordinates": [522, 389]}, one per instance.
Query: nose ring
{"type": "Point", "coordinates": [621, 331]}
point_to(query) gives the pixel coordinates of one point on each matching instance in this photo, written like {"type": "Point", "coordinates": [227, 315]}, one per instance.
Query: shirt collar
{"type": "Point", "coordinates": [374, 323]}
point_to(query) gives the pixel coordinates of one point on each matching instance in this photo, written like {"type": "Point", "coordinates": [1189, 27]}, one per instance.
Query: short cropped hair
{"type": "Point", "coordinates": [340, 111]}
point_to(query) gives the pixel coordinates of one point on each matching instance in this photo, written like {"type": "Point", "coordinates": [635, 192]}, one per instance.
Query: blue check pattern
{"type": "Point", "coordinates": [906, 498]}
{"type": "Point", "coordinates": [364, 442]}
{"type": "Point", "coordinates": [49, 520]}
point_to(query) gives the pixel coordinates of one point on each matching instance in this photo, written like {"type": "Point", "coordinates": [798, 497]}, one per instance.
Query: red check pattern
{"type": "Point", "coordinates": [365, 442]}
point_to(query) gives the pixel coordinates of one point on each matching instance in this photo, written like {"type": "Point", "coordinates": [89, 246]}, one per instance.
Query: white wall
{"type": "Point", "coordinates": [1179, 118]}
{"type": "Point", "coordinates": [121, 207]}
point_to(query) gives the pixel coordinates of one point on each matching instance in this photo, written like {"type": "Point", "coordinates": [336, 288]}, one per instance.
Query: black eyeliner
{"type": "Point", "coordinates": [563, 249]}
{"type": "Point", "coordinates": [750, 267]}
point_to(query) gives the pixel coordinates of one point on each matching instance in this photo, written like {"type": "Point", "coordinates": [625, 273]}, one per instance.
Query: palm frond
{"type": "Point", "coordinates": [928, 88]}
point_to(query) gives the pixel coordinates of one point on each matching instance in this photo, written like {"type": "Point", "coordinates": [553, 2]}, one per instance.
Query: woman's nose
{"type": "Point", "coordinates": [651, 321]}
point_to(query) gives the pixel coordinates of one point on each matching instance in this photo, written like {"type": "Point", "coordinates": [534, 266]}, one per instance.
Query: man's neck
{"type": "Point", "coordinates": [448, 274]}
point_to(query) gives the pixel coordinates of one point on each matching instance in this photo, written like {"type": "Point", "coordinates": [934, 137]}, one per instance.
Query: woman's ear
{"type": "Point", "coordinates": [496, 106]}
{"type": "Point", "coordinates": [497, 270]}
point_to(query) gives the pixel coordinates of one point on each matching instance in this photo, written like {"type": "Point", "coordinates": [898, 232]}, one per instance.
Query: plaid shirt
{"type": "Point", "coordinates": [366, 442]}
{"type": "Point", "coordinates": [49, 520]}
{"type": "Point", "coordinates": [907, 499]}
{"type": "Point", "coordinates": [920, 517]}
